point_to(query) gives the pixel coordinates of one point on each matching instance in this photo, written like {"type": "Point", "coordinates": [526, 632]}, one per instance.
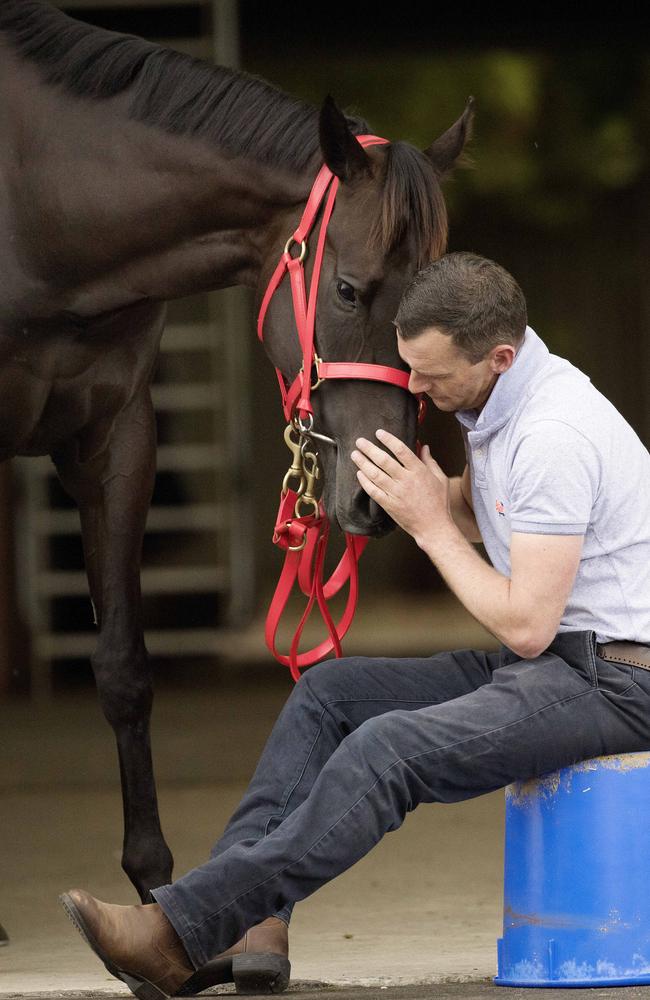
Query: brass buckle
{"type": "Point", "coordinates": [315, 364]}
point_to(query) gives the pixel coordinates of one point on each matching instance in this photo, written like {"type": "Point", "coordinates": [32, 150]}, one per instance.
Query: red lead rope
{"type": "Point", "coordinates": [304, 564]}
{"type": "Point", "coordinates": [304, 536]}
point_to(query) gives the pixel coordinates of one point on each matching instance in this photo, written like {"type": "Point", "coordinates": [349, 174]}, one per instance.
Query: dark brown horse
{"type": "Point", "coordinates": [131, 175]}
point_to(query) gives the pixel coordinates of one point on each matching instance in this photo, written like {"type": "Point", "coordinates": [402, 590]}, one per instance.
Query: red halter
{"type": "Point", "coordinates": [304, 537]}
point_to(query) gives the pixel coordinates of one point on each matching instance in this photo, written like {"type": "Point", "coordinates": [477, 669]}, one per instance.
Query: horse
{"type": "Point", "coordinates": [131, 175]}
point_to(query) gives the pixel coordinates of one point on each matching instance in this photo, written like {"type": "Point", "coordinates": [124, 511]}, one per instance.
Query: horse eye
{"type": "Point", "coordinates": [346, 292]}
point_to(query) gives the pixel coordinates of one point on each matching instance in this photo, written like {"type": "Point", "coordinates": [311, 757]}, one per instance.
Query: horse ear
{"type": "Point", "coordinates": [343, 154]}
{"type": "Point", "coordinates": [445, 152]}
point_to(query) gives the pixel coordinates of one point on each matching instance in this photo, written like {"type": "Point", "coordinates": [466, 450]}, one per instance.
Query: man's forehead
{"type": "Point", "coordinates": [431, 347]}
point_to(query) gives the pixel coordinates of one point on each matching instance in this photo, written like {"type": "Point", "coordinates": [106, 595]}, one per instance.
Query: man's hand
{"type": "Point", "coordinates": [415, 492]}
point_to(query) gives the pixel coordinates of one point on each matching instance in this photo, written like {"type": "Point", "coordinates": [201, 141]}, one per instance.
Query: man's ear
{"type": "Point", "coordinates": [503, 357]}
{"type": "Point", "coordinates": [447, 149]}
{"type": "Point", "coordinates": [343, 154]}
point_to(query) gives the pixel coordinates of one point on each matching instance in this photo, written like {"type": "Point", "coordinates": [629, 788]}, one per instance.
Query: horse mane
{"type": "Point", "coordinates": [243, 114]}
{"type": "Point", "coordinates": [170, 90]}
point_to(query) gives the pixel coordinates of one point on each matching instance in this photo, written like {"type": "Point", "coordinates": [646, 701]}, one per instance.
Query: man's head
{"type": "Point", "coordinates": [459, 324]}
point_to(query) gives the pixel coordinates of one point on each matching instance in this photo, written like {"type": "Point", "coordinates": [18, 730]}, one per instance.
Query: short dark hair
{"type": "Point", "coordinates": [470, 298]}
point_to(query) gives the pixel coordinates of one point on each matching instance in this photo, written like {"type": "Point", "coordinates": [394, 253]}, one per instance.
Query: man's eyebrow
{"type": "Point", "coordinates": [432, 374]}
{"type": "Point", "coordinates": [442, 374]}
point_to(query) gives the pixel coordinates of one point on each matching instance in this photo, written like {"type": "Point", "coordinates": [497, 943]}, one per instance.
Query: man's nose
{"type": "Point", "coordinates": [417, 383]}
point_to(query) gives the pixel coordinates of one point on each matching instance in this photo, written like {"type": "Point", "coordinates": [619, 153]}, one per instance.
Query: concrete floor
{"type": "Point", "coordinates": [403, 915]}
{"type": "Point", "coordinates": [424, 907]}
{"type": "Point", "coordinates": [422, 991]}
{"type": "Point", "coordinates": [419, 917]}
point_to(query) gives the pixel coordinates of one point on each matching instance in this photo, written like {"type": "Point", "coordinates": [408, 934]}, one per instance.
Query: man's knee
{"type": "Point", "coordinates": [380, 740]}
{"type": "Point", "coordinates": [331, 680]}
{"type": "Point", "coordinates": [373, 756]}
{"type": "Point", "coordinates": [403, 741]}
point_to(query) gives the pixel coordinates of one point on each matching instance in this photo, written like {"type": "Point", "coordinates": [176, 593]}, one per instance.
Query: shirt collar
{"type": "Point", "coordinates": [509, 388]}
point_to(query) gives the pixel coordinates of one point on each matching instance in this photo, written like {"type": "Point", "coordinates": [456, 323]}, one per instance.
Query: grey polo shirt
{"type": "Point", "coordinates": [549, 454]}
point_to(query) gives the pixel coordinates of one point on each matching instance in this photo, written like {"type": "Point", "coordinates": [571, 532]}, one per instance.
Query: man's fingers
{"type": "Point", "coordinates": [429, 460]}
{"type": "Point", "coordinates": [401, 451]}
{"type": "Point", "coordinates": [379, 457]}
{"type": "Point", "coordinates": [371, 471]}
{"type": "Point", "coordinates": [373, 491]}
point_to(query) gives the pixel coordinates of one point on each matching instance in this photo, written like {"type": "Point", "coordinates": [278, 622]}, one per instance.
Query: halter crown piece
{"type": "Point", "coordinates": [304, 535]}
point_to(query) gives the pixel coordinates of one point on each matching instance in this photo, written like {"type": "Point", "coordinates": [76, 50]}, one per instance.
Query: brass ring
{"type": "Point", "coordinates": [304, 499]}
{"type": "Point", "coordinates": [303, 248]}
{"type": "Point", "coordinates": [301, 425]}
{"type": "Point", "coordinates": [297, 548]}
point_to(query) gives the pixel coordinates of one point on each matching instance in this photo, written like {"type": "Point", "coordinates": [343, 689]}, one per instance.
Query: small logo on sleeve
{"type": "Point", "coordinates": [501, 511]}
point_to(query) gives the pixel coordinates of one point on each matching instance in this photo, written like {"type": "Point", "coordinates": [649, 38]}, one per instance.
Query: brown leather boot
{"type": "Point", "coordinates": [258, 963]}
{"type": "Point", "coordinates": [137, 944]}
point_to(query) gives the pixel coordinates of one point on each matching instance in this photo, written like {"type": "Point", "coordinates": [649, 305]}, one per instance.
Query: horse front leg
{"type": "Point", "coordinates": [113, 499]}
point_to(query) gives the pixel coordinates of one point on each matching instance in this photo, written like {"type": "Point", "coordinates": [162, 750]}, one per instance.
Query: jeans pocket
{"type": "Point", "coordinates": [578, 649]}
{"type": "Point", "coordinates": [615, 678]}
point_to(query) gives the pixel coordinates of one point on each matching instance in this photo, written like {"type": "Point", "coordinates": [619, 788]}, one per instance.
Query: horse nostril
{"type": "Point", "coordinates": [370, 513]}
{"type": "Point", "coordinates": [373, 510]}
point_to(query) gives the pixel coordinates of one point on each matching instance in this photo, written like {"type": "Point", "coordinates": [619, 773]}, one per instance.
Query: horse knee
{"type": "Point", "coordinates": [123, 685]}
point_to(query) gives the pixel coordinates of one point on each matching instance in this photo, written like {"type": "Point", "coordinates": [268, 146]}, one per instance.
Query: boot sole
{"type": "Point", "coordinates": [142, 988]}
{"type": "Point", "coordinates": [260, 973]}
{"type": "Point", "coordinates": [254, 974]}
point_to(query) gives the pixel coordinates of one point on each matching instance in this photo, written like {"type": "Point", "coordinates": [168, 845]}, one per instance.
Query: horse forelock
{"type": "Point", "coordinates": [412, 204]}
{"type": "Point", "coordinates": [242, 114]}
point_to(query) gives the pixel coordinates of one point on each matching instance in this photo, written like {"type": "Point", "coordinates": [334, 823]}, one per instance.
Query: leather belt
{"type": "Point", "coordinates": [635, 653]}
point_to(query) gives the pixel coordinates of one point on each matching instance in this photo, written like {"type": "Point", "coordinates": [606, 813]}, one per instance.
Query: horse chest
{"type": "Point", "coordinates": [53, 389]}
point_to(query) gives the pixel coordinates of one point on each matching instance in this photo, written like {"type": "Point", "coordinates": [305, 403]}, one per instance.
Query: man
{"type": "Point", "coordinates": [557, 486]}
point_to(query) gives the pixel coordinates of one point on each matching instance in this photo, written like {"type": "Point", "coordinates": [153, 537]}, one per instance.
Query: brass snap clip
{"type": "Point", "coordinates": [296, 470]}
{"type": "Point", "coordinates": [312, 474]}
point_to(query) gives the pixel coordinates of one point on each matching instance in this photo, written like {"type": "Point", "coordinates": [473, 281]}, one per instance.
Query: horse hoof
{"type": "Point", "coordinates": [4, 937]}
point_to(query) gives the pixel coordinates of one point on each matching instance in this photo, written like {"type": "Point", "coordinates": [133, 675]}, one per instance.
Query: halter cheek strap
{"type": "Point", "coordinates": [296, 400]}
{"type": "Point", "coordinates": [304, 536]}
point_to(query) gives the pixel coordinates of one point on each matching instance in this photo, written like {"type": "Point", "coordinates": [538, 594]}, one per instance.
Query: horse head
{"type": "Point", "coordinates": [389, 220]}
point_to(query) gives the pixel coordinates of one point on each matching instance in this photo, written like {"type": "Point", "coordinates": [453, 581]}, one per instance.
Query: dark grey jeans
{"type": "Point", "coordinates": [362, 741]}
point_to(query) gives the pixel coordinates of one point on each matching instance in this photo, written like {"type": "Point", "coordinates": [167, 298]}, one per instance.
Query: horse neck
{"type": "Point", "coordinates": [163, 214]}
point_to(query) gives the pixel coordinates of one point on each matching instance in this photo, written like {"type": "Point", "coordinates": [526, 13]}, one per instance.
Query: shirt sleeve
{"type": "Point", "coordinates": [554, 480]}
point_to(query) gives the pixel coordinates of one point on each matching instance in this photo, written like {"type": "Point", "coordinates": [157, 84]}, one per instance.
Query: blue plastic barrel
{"type": "Point", "coordinates": [576, 908]}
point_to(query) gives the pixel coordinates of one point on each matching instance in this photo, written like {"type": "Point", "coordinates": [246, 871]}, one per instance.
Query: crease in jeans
{"type": "Point", "coordinates": [284, 802]}
{"type": "Point", "coordinates": [400, 760]}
